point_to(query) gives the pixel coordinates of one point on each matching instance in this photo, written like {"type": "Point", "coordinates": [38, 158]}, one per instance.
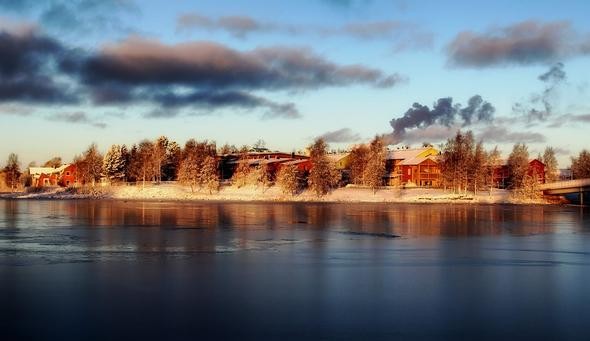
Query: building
{"type": "Point", "coordinates": [413, 167]}
{"type": "Point", "coordinates": [502, 174]}
{"type": "Point", "coordinates": [63, 176]}
{"type": "Point", "coordinates": [273, 160]}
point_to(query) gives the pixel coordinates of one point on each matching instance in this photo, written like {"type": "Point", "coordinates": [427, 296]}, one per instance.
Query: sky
{"type": "Point", "coordinates": [119, 71]}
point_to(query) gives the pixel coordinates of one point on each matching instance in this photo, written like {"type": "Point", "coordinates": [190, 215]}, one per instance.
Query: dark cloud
{"type": "Point", "coordinates": [343, 135]}
{"type": "Point", "coordinates": [443, 113]}
{"type": "Point", "coordinates": [527, 42]}
{"type": "Point", "coordinates": [530, 110]}
{"type": "Point", "coordinates": [77, 117]}
{"type": "Point", "coordinates": [500, 134]}
{"type": "Point", "coordinates": [212, 100]}
{"type": "Point", "coordinates": [401, 34]}
{"type": "Point", "coordinates": [35, 68]}
{"type": "Point", "coordinates": [27, 68]}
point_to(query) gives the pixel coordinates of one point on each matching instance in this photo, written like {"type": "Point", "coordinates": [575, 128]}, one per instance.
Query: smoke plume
{"type": "Point", "coordinates": [443, 113]}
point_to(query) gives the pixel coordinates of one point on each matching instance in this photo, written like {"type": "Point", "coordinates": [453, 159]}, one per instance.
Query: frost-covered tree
{"type": "Point", "coordinates": [242, 172]}
{"type": "Point", "coordinates": [551, 165]}
{"type": "Point", "coordinates": [89, 165]}
{"type": "Point", "coordinates": [581, 165]}
{"type": "Point", "coordinates": [518, 164]}
{"type": "Point", "coordinates": [171, 162]}
{"type": "Point", "coordinates": [12, 172]}
{"type": "Point", "coordinates": [193, 161]}
{"type": "Point", "coordinates": [478, 168]}
{"type": "Point", "coordinates": [493, 161]}
{"type": "Point", "coordinates": [456, 161]}
{"type": "Point", "coordinates": [287, 179]}
{"type": "Point", "coordinates": [375, 167]}
{"type": "Point", "coordinates": [146, 170]}
{"type": "Point", "coordinates": [54, 162]}
{"type": "Point", "coordinates": [358, 157]}
{"type": "Point", "coordinates": [323, 176]}
{"type": "Point", "coordinates": [114, 163]}
{"type": "Point", "coordinates": [209, 177]}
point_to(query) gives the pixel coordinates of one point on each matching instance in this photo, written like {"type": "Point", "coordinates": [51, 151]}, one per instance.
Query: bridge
{"type": "Point", "coordinates": [567, 187]}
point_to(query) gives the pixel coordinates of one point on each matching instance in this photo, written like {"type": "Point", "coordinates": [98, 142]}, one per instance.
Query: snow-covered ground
{"type": "Point", "coordinates": [173, 192]}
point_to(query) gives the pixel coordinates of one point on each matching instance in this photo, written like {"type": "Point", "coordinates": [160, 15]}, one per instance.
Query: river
{"type": "Point", "coordinates": [104, 270]}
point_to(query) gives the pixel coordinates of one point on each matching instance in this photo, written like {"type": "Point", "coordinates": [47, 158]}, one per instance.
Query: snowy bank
{"type": "Point", "coordinates": [174, 192]}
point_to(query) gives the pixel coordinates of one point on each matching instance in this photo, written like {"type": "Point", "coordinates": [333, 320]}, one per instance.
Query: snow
{"type": "Point", "coordinates": [175, 192]}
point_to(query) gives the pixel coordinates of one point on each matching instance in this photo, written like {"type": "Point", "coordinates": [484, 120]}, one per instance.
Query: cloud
{"type": "Point", "coordinates": [212, 100]}
{"type": "Point", "coordinates": [523, 43]}
{"type": "Point", "coordinates": [502, 134]}
{"type": "Point", "coordinates": [443, 113]}
{"type": "Point", "coordinates": [74, 15]}
{"type": "Point", "coordinates": [77, 117]}
{"type": "Point", "coordinates": [343, 135]}
{"type": "Point", "coordinates": [402, 35]}
{"type": "Point", "coordinates": [138, 61]}
{"type": "Point", "coordinates": [238, 25]}
{"type": "Point", "coordinates": [15, 110]}
{"type": "Point", "coordinates": [27, 68]}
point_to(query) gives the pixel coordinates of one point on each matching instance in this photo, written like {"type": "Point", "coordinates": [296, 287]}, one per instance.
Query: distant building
{"type": "Point", "coordinates": [502, 173]}
{"type": "Point", "coordinates": [413, 167]}
{"type": "Point", "coordinates": [63, 176]}
{"type": "Point", "coordinates": [229, 163]}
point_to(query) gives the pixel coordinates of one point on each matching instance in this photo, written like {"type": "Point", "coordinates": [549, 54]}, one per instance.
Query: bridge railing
{"type": "Point", "coordinates": [566, 184]}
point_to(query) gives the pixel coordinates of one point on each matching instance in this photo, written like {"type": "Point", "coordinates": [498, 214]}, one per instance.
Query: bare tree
{"type": "Point", "coordinates": [54, 162]}
{"type": "Point", "coordinates": [492, 163]}
{"type": "Point", "coordinates": [550, 162]}
{"type": "Point", "coordinates": [12, 172]}
{"type": "Point", "coordinates": [359, 156]}
{"type": "Point", "coordinates": [581, 165]}
{"type": "Point", "coordinates": [89, 165]}
{"type": "Point", "coordinates": [518, 164]}
{"type": "Point", "coordinates": [209, 177]}
{"type": "Point", "coordinates": [323, 175]}
{"type": "Point", "coordinates": [375, 167]}
{"type": "Point", "coordinates": [478, 167]}
{"type": "Point", "coordinates": [287, 179]}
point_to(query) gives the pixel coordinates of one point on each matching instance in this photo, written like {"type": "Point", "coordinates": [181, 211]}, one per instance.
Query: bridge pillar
{"type": "Point", "coordinates": [581, 197]}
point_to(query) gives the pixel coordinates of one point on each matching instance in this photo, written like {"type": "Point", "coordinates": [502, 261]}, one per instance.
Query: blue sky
{"type": "Point", "coordinates": [287, 72]}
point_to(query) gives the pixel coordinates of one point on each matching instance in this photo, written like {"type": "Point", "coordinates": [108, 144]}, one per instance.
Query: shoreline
{"type": "Point", "coordinates": [253, 194]}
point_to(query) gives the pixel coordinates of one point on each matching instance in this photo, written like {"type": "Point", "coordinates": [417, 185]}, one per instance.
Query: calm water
{"type": "Point", "coordinates": [102, 270]}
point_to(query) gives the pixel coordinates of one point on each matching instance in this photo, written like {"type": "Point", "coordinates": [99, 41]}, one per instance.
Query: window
{"type": "Point", "coordinates": [46, 182]}
{"type": "Point", "coordinates": [67, 173]}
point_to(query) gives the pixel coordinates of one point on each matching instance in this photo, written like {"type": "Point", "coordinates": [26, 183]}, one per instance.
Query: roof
{"type": "Point", "coordinates": [337, 157]}
{"type": "Point", "coordinates": [47, 170]}
{"type": "Point", "coordinates": [417, 160]}
{"type": "Point", "coordinates": [403, 154]}
{"type": "Point", "coordinates": [295, 162]}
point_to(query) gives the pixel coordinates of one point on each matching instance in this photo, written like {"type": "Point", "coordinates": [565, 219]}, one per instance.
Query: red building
{"type": "Point", "coordinates": [502, 173]}
{"type": "Point", "coordinates": [63, 176]}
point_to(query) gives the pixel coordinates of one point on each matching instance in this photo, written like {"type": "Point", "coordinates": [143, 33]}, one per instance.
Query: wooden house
{"type": "Point", "coordinates": [502, 174]}
{"type": "Point", "coordinates": [63, 176]}
{"type": "Point", "coordinates": [413, 167]}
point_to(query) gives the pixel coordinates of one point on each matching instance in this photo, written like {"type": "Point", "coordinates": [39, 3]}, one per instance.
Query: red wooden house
{"type": "Point", "coordinates": [502, 173]}
{"type": "Point", "coordinates": [63, 176]}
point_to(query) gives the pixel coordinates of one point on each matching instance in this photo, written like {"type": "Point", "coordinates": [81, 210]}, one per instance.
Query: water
{"type": "Point", "coordinates": [103, 270]}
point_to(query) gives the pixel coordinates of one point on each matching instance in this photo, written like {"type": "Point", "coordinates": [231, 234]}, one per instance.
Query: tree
{"type": "Point", "coordinates": [132, 162]}
{"type": "Point", "coordinates": [456, 161]}
{"type": "Point", "coordinates": [287, 179]}
{"type": "Point", "coordinates": [171, 162]}
{"type": "Point", "coordinates": [54, 162]}
{"type": "Point", "coordinates": [209, 177]}
{"type": "Point", "coordinates": [581, 165]}
{"type": "Point", "coordinates": [114, 163]}
{"type": "Point", "coordinates": [242, 172]}
{"type": "Point", "coordinates": [492, 163]}
{"type": "Point", "coordinates": [518, 164]}
{"type": "Point", "coordinates": [358, 157]}
{"type": "Point", "coordinates": [323, 175]}
{"type": "Point", "coordinates": [89, 165]}
{"type": "Point", "coordinates": [478, 167]}
{"type": "Point", "coordinates": [375, 167]}
{"type": "Point", "coordinates": [146, 169]}
{"type": "Point", "coordinates": [188, 172]}
{"type": "Point", "coordinates": [159, 156]}
{"type": "Point", "coordinates": [550, 161]}
{"type": "Point", "coordinates": [12, 172]}
{"type": "Point", "coordinates": [194, 158]}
